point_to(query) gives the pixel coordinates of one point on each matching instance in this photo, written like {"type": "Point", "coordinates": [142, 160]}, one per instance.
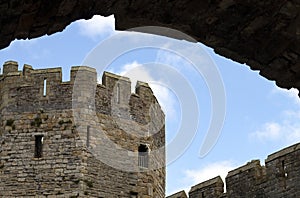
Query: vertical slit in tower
{"type": "Point", "coordinates": [88, 137]}
{"type": "Point", "coordinates": [118, 93]}
{"type": "Point", "coordinates": [38, 146]}
{"type": "Point", "coordinates": [45, 87]}
{"type": "Point", "coordinates": [283, 166]}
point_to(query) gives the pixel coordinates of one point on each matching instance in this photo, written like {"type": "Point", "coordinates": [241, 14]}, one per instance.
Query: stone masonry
{"type": "Point", "coordinates": [277, 179]}
{"type": "Point", "coordinates": [79, 138]}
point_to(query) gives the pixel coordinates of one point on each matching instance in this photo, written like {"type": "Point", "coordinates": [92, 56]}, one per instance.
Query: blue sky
{"type": "Point", "coordinates": [260, 117]}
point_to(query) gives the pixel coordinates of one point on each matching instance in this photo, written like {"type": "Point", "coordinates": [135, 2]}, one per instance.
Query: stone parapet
{"type": "Point", "coordinates": [278, 178]}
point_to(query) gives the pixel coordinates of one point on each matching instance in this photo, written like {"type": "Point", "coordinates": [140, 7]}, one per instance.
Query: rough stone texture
{"type": "Point", "coordinates": [262, 34]}
{"type": "Point", "coordinates": [208, 189]}
{"type": "Point", "coordinates": [278, 178]}
{"type": "Point", "coordinates": [180, 194]}
{"type": "Point", "coordinates": [246, 181]}
{"type": "Point", "coordinates": [78, 119]}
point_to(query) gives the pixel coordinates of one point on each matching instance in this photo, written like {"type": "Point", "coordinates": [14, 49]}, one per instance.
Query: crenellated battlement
{"type": "Point", "coordinates": [109, 80]}
{"type": "Point", "coordinates": [278, 178]}
{"type": "Point", "coordinates": [31, 89]}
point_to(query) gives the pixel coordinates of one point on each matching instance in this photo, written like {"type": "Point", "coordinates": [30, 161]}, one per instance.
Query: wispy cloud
{"type": "Point", "coordinates": [269, 131]}
{"type": "Point", "coordinates": [286, 130]}
{"type": "Point", "coordinates": [182, 56]}
{"type": "Point", "coordinates": [209, 171]}
{"type": "Point", "coordinates": [195, 176]}
{"type": "Point", "coordinates": [97, 26]}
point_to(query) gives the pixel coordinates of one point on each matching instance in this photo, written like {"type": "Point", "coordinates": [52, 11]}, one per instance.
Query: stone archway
{"type": "Point", "coordinates": [263, 34]}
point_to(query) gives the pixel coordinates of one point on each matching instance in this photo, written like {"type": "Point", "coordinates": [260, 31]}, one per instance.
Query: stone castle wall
{"type": "Point", "coordinates": [90, 133]}
{"type": "Point", "coordinates": [278, 178]}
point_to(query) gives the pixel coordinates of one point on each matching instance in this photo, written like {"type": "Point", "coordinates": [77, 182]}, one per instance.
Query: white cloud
{"type": "Point", "coordinates": [137, 72]}
{"type": "Point", "coordinates": [209, 171]}
{"type": "Point", "coordinates": [189, 59]}
{"type": "Point", "coordinates": [195, 176]}
{"type": "Point", "coordinates": [292, 94]}
{"type": "Point", "coordinates": [269, 131]}
{"type": "Point", "coordinates": [287, 130]}
{"type": "Point", "coordinates": [31, 48]}
{"type": "Point", "coordinates": [97, 26]}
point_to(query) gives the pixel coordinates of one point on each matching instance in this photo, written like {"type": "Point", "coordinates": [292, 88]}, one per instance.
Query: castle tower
{"type": "Point", "coordinates": [79, 138]}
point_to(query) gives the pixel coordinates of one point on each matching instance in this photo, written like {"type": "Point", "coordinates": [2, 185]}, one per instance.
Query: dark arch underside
{"type": "Point", "coordinates": [263, 34]}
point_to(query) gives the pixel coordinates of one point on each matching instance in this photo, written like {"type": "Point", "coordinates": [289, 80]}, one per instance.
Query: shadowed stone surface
{"type": "Point", "coordinates": [263, 34]}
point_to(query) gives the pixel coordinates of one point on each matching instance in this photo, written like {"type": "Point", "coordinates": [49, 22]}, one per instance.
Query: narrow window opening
{"type": "Point", "coordinates": [45, 87]}
{"type": "Point", "coordinates": [284, 169]}
{"type": "Point", "coordinates": [283, 166]}
{"type": "Point", "coordinates": [118, 93]}
{"type": "Point", "coordinates": [38, 146]}
{"type": "Point", "coordinates": [88, 136]}
{"type": "Point", "coordinates": [202, 194]}
{"type": "Point", "coordinates": [133, 195]}
{"type": "Point", "coordinates": [143, 158]}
